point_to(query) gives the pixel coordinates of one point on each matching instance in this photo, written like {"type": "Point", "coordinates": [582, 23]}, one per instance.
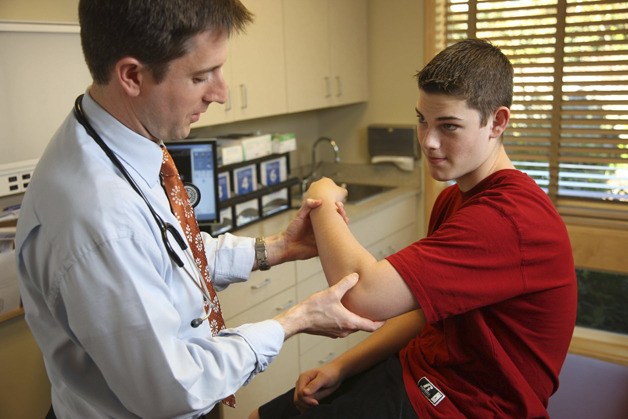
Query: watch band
{"type": "Point", "coordinates": [261, 255]}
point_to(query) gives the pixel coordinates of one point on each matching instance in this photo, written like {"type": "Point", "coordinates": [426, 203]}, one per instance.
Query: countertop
{"type": "Point", "coordinates": [405, 184]}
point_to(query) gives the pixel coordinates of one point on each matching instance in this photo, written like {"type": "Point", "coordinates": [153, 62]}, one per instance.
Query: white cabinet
{"type": "Point", "coordinates": [326, 53]}
{"type": "Point", "coordinates": [261, 285]}
{"type": "Point", "coordinates": [348, 51]}
{"type": "Point", "coordinates": [255, 70]}
{"type": "Point", "coordinates": [297, 55]}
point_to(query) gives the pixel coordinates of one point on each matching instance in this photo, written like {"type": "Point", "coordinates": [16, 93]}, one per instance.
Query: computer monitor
{"type": "Point", "coordinates": [196, 162]}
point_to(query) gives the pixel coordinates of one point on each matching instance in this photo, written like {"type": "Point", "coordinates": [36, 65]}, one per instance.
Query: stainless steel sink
{"type": "Point", "coordinates": [359, 193]}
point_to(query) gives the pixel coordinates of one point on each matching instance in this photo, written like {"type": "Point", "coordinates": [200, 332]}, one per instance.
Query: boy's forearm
{"type": "Point", "coordinates": [385, 342]}
{"type": "Point", "coordinates": [339, 251]}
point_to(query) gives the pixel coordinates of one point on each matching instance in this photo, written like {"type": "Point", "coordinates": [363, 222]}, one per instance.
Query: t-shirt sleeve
{"type": "Point", "coordinates": [468, 262]}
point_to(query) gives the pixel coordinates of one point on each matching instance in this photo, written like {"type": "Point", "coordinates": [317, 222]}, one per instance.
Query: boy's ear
{"type": "Point", "coordinates": [500, 121]}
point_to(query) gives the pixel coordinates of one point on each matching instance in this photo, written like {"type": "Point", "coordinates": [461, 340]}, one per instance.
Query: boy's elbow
{"type": "Point", "coordinates": [359, 302]}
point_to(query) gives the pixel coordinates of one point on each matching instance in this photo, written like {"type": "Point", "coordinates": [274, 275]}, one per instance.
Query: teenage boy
{"type": "Point", "coordinates": [481, 311]}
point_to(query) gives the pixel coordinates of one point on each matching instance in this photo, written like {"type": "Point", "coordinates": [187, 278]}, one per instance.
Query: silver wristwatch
{"type": "Point", "coordinates": [261, 255]}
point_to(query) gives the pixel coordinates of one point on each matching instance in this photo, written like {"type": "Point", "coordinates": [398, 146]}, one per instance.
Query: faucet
{"type": "Point", "coordinates": [314, 165]}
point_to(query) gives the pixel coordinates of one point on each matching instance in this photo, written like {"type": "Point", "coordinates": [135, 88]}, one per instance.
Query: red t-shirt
{"type": "Point", "coordinates": [496, 280]}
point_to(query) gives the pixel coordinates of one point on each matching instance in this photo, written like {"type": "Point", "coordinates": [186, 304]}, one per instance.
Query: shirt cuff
{"type": "Point", "coordinates": [231, 258]}
{"type": "Point", "coordinates": [265, 339]}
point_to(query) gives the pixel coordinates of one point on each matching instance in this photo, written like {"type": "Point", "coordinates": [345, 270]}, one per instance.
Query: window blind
{"type": "Point", "coordinates": [569, 123]}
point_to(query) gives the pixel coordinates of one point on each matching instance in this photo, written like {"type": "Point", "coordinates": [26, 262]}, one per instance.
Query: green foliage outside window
{"type": "Point", "coordinates": [602, 301]}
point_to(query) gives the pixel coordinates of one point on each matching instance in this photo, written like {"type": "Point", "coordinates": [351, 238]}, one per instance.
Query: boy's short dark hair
{"type": "Point", "coordinates": [152, 31]}
{"type": "Point", "coordinates": [473, 70]}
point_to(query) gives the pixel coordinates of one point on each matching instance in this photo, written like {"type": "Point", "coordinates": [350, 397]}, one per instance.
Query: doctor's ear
{"type": "Point", "coordinates": [130, 74]}
{"type": "Point", "coordinates": [500, 121]}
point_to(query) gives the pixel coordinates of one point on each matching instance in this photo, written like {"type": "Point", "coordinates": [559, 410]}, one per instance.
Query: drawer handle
{"type": "Point", "coordinates": [262, 284]}
{"type": "Point", "coordinates": [328, 358]}
{"type": "Point", "coordinates": [286, 306]}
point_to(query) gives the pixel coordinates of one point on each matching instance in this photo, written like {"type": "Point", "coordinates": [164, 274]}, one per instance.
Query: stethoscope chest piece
{"type": "Point", "coordinates": [194, 193]}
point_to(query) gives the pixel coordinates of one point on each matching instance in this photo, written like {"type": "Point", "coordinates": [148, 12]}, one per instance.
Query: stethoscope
{"type": "Point", "coordinates": [164, 227]}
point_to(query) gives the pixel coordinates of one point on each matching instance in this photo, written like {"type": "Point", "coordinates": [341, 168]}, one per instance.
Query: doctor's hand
{"type": "Point", "coordinates": [297, 241]}
{"type": "Point", "coordinates": [323, 314]}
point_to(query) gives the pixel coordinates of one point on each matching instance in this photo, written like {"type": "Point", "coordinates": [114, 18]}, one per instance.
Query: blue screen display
{"type": "Point", "coordinates": [196, 163]}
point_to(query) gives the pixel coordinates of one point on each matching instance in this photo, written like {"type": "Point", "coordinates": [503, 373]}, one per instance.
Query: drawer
{"type": "Point", "coordinates": [376, 226]}
{"type": "Point", "coordinates": [322, 353]}
{"type": "Point", "coordinates": [394, 242]}
{"type": "Point", "coordinates": [260, 286]}
{"type": "Point", "coordinates": [307, 268]}
{"type": "Point", "coordinates": [306, 288]}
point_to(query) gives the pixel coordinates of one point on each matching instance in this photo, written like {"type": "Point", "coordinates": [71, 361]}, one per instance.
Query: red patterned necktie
{"type": "Point", "coordinates": [180, 206]}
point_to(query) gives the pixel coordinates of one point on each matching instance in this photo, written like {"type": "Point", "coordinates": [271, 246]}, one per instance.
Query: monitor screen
{"type": "Point", "coordinates": [196, 162]}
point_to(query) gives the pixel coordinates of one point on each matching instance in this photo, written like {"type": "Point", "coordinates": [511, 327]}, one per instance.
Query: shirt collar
{"type": "Point", "coordinates": [138, 153]}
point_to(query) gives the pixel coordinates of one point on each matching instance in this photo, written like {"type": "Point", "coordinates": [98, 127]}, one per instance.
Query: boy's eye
{"type": "Point", "coordinates": [450, 127]}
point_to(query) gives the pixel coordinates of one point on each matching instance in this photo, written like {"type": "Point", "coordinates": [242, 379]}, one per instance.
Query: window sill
{"type": "Point", "coordinates": [607, 346]}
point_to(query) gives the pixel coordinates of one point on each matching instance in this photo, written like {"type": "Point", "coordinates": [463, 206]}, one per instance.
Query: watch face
{"type": "Point", "coordinates": [260, 254]}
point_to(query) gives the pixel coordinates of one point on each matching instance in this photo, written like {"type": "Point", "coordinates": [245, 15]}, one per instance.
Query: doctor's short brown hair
{"type": "Point", "coordinates": [153, 31]}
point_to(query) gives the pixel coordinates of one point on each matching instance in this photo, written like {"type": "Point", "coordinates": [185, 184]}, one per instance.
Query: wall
{"type": "Point", "coordinates": [395, 53]}
{"type": "Point", "coordinates": [39, 10]}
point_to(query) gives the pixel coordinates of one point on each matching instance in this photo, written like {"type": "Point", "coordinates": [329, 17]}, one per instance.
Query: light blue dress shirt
{"type": "Point", "coordinates": [109, 309]}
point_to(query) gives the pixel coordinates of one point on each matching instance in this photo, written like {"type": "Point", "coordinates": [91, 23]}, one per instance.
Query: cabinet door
{"type": "Point", "coordinates": [260, 286]}
{"type": "Point", "coordinates": [322, 353]}
{"type": "Point", "coordinates": [218, 113]}
{"type": "Point", "coordinates": [305, 288]}
{"type": "Point", "coordinates": [255, 70]}
{"type": "Point", "coordinates": [280, 375]}
{"type": "Point", "coordinates": [307, 54]}
{"type": "Point", "coordinates": [326, 53]}
{"type": "Point", "coordinates": [258, 63]}
{"type": "Point", "coordinates": [376, 226]}
{"type": "Point", "coordinates": [348, 51]}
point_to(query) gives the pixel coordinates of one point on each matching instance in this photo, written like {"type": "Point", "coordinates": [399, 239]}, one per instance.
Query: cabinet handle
{"type": "Point", "coordinates": [338, 86]}
{"type": "Point", "coordinates": [244, 97]}
{"type": "Point", "coordinates": [327, 87]}
{"type": "Point", "coordinates": [328, 358]}
{"type": "Point", "coordinates": [286, 306]}
{"type": "Point", "coordinates": [262, 284]}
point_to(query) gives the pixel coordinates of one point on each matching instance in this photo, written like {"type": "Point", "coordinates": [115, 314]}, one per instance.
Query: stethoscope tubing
{"type": "Point", "coordinates": [164, 227]}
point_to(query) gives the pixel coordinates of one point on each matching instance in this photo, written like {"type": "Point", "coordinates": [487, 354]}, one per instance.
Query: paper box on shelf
{"type": "Point", "coordinates": [283, 143]}
{"type": "Point", "coordinates": [226, 221]}
{"type": "Point", "coordinates": [247, 212]}
{"type": "Point", "coordinates": [275, 202]}
{"type": "Point", "coordinates": [253, 146]}
{"type": "Point", "coordinates": [245, 179]}
{"type": "Point", "coordinates": [224, 186]}
{"type": "Point", "coordinates": [229, 152]}
{"type": "Point", "coordinates": [273, 171]}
